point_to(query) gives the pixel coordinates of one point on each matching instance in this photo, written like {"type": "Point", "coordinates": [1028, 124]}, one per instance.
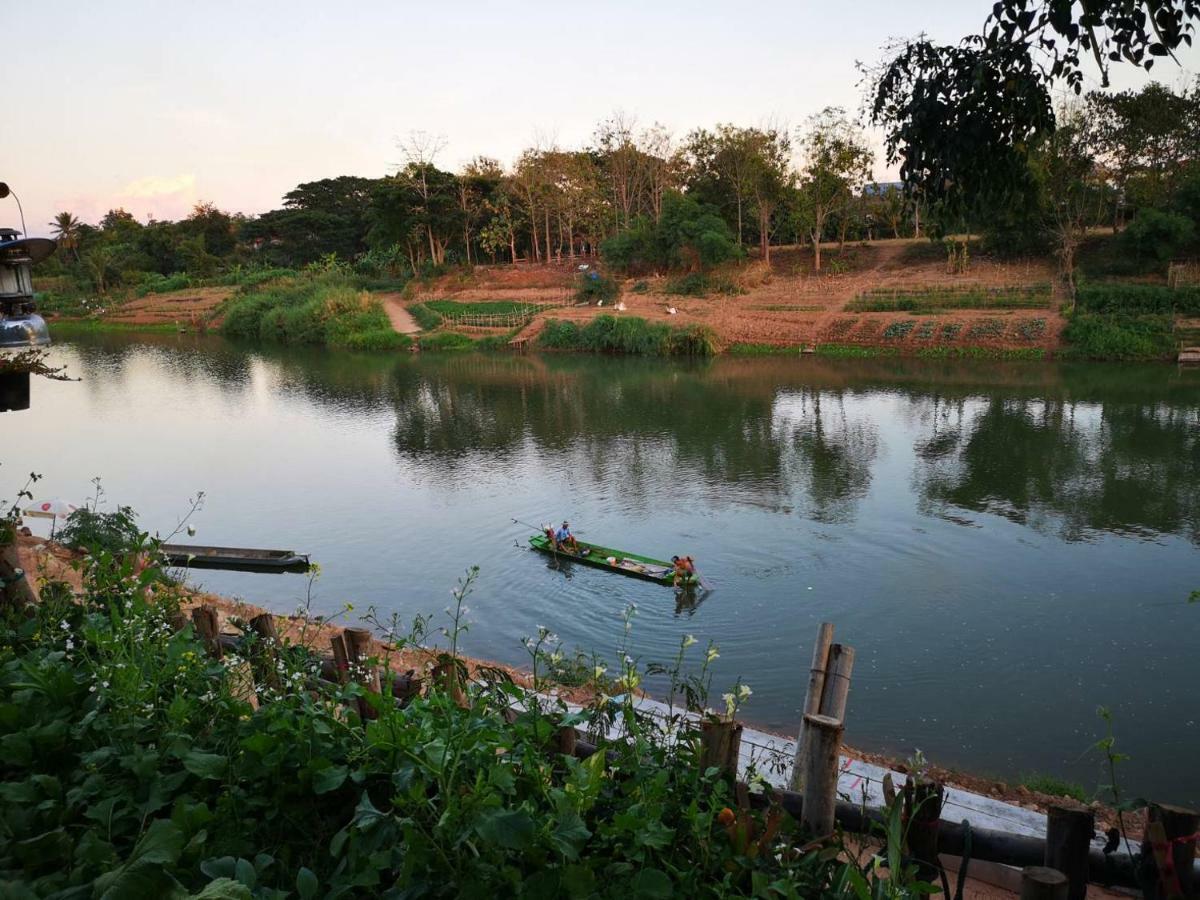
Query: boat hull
{"type": "Point", "coordinates": [237, 559]}
{"type": "Point", "coordinates": [636, 566]}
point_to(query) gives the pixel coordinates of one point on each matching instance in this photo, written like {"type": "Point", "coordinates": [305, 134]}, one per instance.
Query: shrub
{"type": "Point", "coordinates": [161, 284]}
{"type": "Point", "coordinates": [687, 233]}
{"type": "Point", "coordinates": [1157, 235]}
{"type": "Point", "coordinates": [950, 331]}
{"type": "Point", "coordinates": [593, 286]}
{"type": "Point", "coordinates": [96, 532]}
{"type": "Point", "coordinates": [1119, 337]}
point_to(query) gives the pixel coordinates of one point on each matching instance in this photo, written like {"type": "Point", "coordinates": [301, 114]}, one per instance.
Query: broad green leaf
{"type": "Point", "coordinates": [329, 779]}
{"type": "Point", "coordinates": [225, 889]}
{"type": "Point", "coordinates": [306, 883]}
{"type": "Point", "coordinates": [653, 884]}
{"type": "Point", "coordinates": [244, 871]}
{"type": "Point", "coordinates": [511, 828]}
{"type": "Point", "coordinates": [206, 765]}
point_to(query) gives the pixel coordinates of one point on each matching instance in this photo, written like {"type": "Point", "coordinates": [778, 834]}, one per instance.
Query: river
{"type": "Point", "coordinates": [1008, 546]}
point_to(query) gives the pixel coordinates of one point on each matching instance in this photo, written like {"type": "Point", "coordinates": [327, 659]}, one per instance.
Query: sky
{"type": "Point", "coordinates": [153, 106]}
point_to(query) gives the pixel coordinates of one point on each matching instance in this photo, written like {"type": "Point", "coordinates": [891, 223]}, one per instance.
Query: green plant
{"type": "Point", "coordinates": [1156, 234]}
{"type": "Point", "coordinates": [1031, 329]}
{"type": "Point", "coordinates": [446, 340]}
{"type": "Point", "coordinates": [593, 286]}
{"type": "Point", "coordinates": [89, 529]}
{"type": "Point", "coordinates": [1119, 337]}
{"type": "Point", "coordinates": [1138, 299]}
{"type": "Point", "coordinates": [426, 317]}
{"type": "Point", "coordinates": [986, 328]}
{"type": "Point", "coordinates": [694, 284]}
{"type": "Point", "coordinates": [641, 287]}
{"type": "Point", "coordinates": [898, 330]}
{"type": "Point", "coordinates": [628, 334]}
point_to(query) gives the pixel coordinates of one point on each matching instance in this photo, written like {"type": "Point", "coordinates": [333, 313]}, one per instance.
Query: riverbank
{"type": "Point", "coordinates": [45, 562]}
{"type": "Point", "coordinates": [876, 299]}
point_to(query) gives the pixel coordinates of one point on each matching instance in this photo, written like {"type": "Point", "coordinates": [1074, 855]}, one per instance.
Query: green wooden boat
{"type": "Point", "coordinates": [631, 564]}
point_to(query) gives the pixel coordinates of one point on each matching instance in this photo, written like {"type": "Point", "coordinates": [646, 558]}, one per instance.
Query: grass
{"type": "Point", "coordinates": [1055, 787]}
{"type": "Point", "coordinates": [936, 299]}
{"type": "Point", "coordinates": [853, 351]}
{"type": "Point", "coordinates": [610, 334]}
{"type": "Point", "coordinates": [427, 318]}
{"type": "Point", "coordinates": [752, 349]}
{"type": "Point", "coordinates": [326, 310]}
{"type": "Point", "coordinates": [1092, 336]}
{"type": "Point", "coordinates": [699, 284]}
{"type": "Point", "coordinates": [100, 325]}
{"type": "Point", "coordinates": [162, 284]}
{"type": "Point", "coordinates": [785, 307]}
{"type": "Point", "coordinates": [1027, 353]}
{"type": "Point", "coordinates": [446, 340]}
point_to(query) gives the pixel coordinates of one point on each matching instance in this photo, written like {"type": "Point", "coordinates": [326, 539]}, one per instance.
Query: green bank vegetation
{"type": "Point", "coordinates": [628, 334]}
{"type": "Point", "coordinates": [135, 765]}
{"type": "Point", "coordinates": [937, 299]}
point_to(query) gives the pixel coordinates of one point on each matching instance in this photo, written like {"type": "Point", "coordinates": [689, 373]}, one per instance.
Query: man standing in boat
{"type": "Point", "coordinates": [565, 541]}
{"type": "Point", "coordinates": [685, 570]}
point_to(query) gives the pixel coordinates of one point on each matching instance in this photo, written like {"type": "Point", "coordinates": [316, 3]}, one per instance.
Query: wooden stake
{"type": "Point", "coordinates": [268, 639]}
{"type": "Point", "coordinates": [341, 659]}
{"type": "Point", "coordinates": [448, 677]}
{"type": "Point", "coordinates": [922, 815]}
{"type": "Point", "coordinates": [1041, 883]}
{"type": "Point", "coordinates": [1069, 831]}
{"type": "Point", "coordinates": [720, 745]}
{"type": "Point", "coordinates": [1170, 842]}
{"type": "Point", "coordinates": [812, 699]}
{"type": "Point", "coordinates": [824, 735]}
{"type": "Point", "coordinates": [358, 649]}
{"type": "Point", "coordinates": [208, 628]}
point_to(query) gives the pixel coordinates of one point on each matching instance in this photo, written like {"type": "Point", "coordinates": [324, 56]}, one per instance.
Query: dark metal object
{"type": "Point", "coordinates": [20, 327]}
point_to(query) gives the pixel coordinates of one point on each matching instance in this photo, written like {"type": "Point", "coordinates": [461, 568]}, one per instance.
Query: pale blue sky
{"type": "Point", "coordinates": [153, 105]}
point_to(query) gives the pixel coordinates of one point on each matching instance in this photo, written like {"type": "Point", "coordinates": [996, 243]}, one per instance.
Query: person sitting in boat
{"type": "Point", "coordinates": [564, 540]}
{"type": "Point", "coordinates": [685, 569]}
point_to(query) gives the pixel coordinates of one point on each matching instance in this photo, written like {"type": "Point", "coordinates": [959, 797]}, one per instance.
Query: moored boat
{"type": "Point", "coordinates": [242, 559]}
{"type": "Point", "coordinates": [632, 564]}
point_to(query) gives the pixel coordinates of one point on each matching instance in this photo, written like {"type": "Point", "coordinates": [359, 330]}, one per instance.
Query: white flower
{"type": "Point", "coordinates": [599, 671]}
{"type": "Point", "coordinates": [744, 693]}
{"type": "Point", "coordinates": [628, 660]}
{"type": "Point", "coordinates": [70, 644]}
{"type": "Point", "coordinates": [688, 640]}
{"type": "Point", "coordinates": [712, 654]}
{"type": "Point", "coordinates": [730, 704]}
{"type": "Point", "coordinates": [64, 626]}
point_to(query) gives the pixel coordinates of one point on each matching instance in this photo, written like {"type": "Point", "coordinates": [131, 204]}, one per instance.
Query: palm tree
{"type": "Point", "coordinates": [66, 229]}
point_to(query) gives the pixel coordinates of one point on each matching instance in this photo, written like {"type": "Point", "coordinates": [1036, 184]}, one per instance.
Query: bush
{"type": "Point", "coordinates": [1138, 299]}
{"type": "Point", "coordinates": [593, 286]}
{"type": "Point", "coordinates": [1157, 235]}
{"type": "Point", "coordinates": [95, 532]}
{"type": "Point", "coordinates": [161, 284]}
{"type": "Point", "coordinates": [687, 234]}
{"type": "Point", "coordinates": [1119, 337]}
{"type": "Point", "coordinates": [426, 317]}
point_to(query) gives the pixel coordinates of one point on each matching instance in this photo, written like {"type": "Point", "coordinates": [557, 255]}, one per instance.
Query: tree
{"type": "Point", "coordinates": [66, 231]}
{"type": "Point", "coordinates": [1149, 139]}
{"type": "Point", "coordinates": [837, 164]}
{"type": "Point", "coordinates": [961, 119]}
{"type": "Point", "coordinates": [687, 235]}
{"type": "Point", "coordinates": [623, 166]}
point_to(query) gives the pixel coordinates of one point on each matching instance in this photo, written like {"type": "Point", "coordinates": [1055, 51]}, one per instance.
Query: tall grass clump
{"type": "Point", "coordinates": [324, 310]}
{"type": "Point", "coordinates": [632, 335]}
{"type": "Point", "coordinates": [425, 316]}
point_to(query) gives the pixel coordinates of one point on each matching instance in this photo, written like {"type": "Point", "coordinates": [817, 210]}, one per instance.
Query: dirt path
{"type": "Point", "coordinates": [400, 317]}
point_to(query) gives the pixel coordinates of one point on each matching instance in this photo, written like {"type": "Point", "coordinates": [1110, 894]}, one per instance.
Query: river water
{"type": "Point", "coordinates": [1008, 546]}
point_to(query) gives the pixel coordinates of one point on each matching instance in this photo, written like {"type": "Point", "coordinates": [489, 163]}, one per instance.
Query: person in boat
{"type": "Point", "coordinates": [565, 541]}
{"type": "Point", "coordinates": [685, 569]}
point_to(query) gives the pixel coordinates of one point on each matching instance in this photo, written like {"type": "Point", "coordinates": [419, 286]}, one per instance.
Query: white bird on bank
{"type": "Point", "coordinates": [671, 310]}
{"type": "Point", "coordinates": [621, 306]}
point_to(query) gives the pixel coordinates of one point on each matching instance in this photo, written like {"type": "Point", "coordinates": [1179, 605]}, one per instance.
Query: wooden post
{"type": "Point", "coordinates": [208, 627]}
{"type": "Point", "coordinates": [1069, 831]}
{"type": "Point", "coordinates": [824, 735]}
{"type": "Point", "coordinates": [1170, 846]}
{"type": "Point", "coordinates": [922, 815]}
{"type": "Point", "coordinates": [446, 675]}
{"type": "Point", "coordinates": [1041, 883]}
{"type": "Point", "coordinates": [241, 683]}
{"type": "Point", "coordinates": [812, 699]}
{"type": "Point", "coordinates": [720, 745]}
{"type": "Point", "coordinates": [341, 659]}
{"type": "Point", "coordinates": [268, 639]}
{"type": "Point", "coordinates": [837, 682]}
{"type": "Point", "coordinates": [358, 649]}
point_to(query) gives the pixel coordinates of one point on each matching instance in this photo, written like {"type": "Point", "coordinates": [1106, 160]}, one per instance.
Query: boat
{"type": "Point", "coordinates": [632, 564]}
{"type": "Point", "coordinates": [240, 559]}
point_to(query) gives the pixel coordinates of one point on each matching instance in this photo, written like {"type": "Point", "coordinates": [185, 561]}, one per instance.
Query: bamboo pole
{"type": "Point", "coordinates": [837, 682]}
{"type": "Point", "coordinates": [1069, 831]}
{"type": "Point", "coordinates": [820, 778]}
{"type": "Point", "coordinates": [812, 700]}
{"type": "Point", "coordinates": [1041, 883]}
